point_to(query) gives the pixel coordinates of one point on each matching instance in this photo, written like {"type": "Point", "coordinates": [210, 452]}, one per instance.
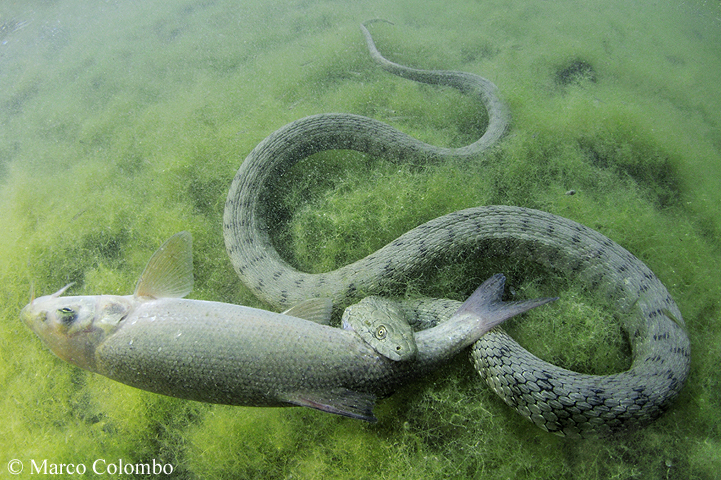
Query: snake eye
{"type": "Point", "coordinates": [67, 315]}
{"type": "Point", "coordinates": [381, 332]}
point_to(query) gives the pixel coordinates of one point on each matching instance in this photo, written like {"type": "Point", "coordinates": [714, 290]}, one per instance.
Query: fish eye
{"type": "Point", "coordinates": [67, 315]}
{"type": "Point", "coordinates": [381, 332]}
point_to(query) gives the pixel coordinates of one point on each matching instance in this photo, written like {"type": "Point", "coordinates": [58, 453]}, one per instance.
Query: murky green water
{"type": "Point", "coordinates": [122, 123]}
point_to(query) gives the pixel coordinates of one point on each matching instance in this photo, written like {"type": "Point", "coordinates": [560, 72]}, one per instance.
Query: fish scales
{"type": "Point", "coordinates": [230, 354]}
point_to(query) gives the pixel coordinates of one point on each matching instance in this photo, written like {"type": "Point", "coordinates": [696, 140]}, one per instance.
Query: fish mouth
{"type": "Point", "coordinates": [31, 317]}
{"type": "Point", "coordinates": [26, 315]}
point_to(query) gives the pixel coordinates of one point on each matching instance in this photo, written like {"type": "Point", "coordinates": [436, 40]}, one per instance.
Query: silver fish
{"type": "Point", "coordinates": [230, 354]}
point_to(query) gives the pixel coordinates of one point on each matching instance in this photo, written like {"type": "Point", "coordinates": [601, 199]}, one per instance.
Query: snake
{"type": "Point", "coordinates": [555, 399]}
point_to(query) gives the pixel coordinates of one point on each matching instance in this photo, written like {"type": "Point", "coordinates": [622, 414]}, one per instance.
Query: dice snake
{"type": "Point", "coordinates": [557, 400]}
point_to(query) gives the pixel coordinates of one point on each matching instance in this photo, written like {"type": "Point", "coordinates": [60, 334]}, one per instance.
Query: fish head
{"type": "Point", "coordinates": [73, 327]}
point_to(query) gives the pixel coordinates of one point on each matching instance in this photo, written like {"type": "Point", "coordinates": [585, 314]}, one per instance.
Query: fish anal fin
{"type": "Point", "coordinates": [169, 272]}
{"type": "Point", "coordinates": [316, 310]}
{"type": "Point", "coordinates": [340, 401]}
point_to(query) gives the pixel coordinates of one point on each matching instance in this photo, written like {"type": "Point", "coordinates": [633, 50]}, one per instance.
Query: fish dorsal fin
{"type": "Point", "coordinates": [382, 324]}
{"type": "Point", "coordinates": [316, 310]}
{"type": "Point", "coordinates": [169, 272]}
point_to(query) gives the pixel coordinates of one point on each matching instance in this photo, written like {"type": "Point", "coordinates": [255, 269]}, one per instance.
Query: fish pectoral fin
{"type": "Point", "coordinates": [316, 310]}
{"type": "Point", "coordinates": [340, 401]}
{"type": "Point", "coordinates": [169, 272]}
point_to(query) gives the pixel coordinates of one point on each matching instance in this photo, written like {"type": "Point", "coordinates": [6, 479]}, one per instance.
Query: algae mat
{"type": "Point", "coordinates": [123, 124]}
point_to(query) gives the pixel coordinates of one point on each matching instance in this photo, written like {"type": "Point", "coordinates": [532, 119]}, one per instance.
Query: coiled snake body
{"type": "Point", "coordinates": [555, 399]}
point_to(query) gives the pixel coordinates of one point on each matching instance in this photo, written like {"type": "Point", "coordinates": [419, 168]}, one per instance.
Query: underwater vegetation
{"type": "Point", "coordinates": [124, 124]}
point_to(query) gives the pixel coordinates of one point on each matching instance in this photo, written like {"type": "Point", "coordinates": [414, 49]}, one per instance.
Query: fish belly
{"type": "Point", "coordinates": [220, 353]}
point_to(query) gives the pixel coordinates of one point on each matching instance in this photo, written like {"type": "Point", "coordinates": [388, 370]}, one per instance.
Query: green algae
{"type": "Point", "coordinates": [124, 126]}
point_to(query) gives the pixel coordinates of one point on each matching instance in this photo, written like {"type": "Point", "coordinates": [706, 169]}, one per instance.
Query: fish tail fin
{"type": "Point", "coordinates": [486, 304]}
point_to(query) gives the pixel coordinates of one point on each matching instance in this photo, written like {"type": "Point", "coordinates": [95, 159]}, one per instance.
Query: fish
{"type": "Point", "coordinates": [222, 353]}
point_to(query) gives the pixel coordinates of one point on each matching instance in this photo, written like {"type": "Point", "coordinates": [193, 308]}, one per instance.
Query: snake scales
{"type": "Point", "coordinates": [555, 399]}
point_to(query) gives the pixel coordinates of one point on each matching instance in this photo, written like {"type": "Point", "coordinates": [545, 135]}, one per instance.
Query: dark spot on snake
{"type": "Point", "coordinates": [504, 352]}
{"type": "Point", "coordinates": [544, 385]}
